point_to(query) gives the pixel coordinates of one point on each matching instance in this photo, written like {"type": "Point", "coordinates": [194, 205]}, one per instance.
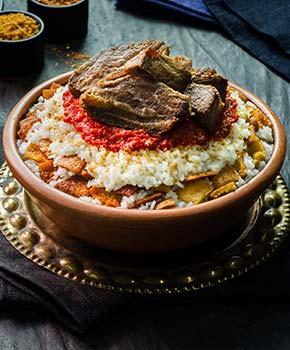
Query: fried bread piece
{"type": "Point", "coordinates": [166, 204]}
{"type": "Point", "coordinates": [33, 152]}
{"type": "Point", "coordinates": [26, 124]}
{"type": "Point", "coordinates": [196, 191]}
{"type": "Point", "coordinates": [75, 186]}
{"type": "Point", "coordinates": [229, 187]}
{"type": "Point", "coordinates": [240, 165]}
{"type": "Point", "coordinates": [258, 119]}
{"type": "Point", "coordinates": [110, 199]}
{"type": "Point", "coordinates": [45, 165]}
{"type": "Point", "coordinates": [200, 175]}
{"type": "Point", "coordinates": [127, 190]}
{"type": "Point", "coordinates": [256, 148]}
{"type": "Point", "coordinates": [226, 175]}
{"type": "Point", "coordinates": [149, 198]}
{"type": "Point", "coordinates": [72, 163]}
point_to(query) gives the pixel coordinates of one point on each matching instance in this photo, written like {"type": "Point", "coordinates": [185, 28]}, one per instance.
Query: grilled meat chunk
{"type": "Point", "coordinates": [135, 101]}
{"type": "Point", "coordinates": [209, 76]}
{"type": "Point", "coordinates": [107, 61]}
{"type": "Point", "coordinates": [205, 104]}
{"type": "Point", "coordinates": [161, 68]}
{"type": "Point", "coordinates": [183, 62]}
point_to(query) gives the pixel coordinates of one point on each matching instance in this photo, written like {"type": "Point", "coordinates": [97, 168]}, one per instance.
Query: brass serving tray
{"type": "Point", "coordinates": [244, 246]}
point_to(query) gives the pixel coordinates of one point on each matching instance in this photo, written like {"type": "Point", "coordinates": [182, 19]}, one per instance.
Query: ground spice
{"type": "Point", "coordinates": [17, 26]}
{"type": "Point", "coordinates": [58, 2]}
{"type": "Point", "coordinates": [71, 58]}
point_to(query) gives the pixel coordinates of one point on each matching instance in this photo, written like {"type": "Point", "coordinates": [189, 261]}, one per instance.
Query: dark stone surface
{"type": "Point", "coordinates": [217, 326]}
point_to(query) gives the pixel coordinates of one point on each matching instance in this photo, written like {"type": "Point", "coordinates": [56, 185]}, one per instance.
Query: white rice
{"type": "Point", "coordinates": [145, 168]}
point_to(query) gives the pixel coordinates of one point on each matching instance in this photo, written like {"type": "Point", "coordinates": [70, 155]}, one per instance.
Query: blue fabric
{"type": "Point", "coordinates": [195, 9]}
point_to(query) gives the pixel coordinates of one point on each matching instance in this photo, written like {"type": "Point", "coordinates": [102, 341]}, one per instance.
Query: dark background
{"type": "Point", "coordinates": [225, 325]}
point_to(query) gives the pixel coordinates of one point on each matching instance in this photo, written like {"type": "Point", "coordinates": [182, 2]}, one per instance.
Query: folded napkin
{"type": "Point", "coordinates": [24, 285]}
{"type": "Point", "coordinates": [260, 27]}
{"type": "Point", "coordinates": [194, 9]}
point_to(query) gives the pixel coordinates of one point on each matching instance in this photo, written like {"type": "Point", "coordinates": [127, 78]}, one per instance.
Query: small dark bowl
{"type": "Point", "coordinates": [62, 22]}
{"type": "Point", "coordinates": [22, 57]}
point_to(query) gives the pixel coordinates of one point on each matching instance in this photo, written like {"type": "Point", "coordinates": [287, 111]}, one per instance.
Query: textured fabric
{"type": "Point", "coordinates": [271, 18]}
{"type": "Point", "coordinates": [24, 285]}
{"type": "Point", "coordinates": [195, 9]}
{"type": "Point", "coordinates": [260, 27]}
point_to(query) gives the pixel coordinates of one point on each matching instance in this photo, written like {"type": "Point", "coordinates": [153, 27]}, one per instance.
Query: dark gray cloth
{"type": "Point", "coordinates": [24, 285]}
{"type": "Point", "coordinates": [260, 27]}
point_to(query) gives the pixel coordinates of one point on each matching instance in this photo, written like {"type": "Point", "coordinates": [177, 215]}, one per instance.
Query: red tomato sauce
{"type": "Point", "coordinates": [188, 133]}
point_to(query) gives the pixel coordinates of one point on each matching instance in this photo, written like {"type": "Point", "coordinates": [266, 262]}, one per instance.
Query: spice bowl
{"type": "Point", "coordinates": [20, 57]}
{"type": "Point", "coordinates": [62, 22]}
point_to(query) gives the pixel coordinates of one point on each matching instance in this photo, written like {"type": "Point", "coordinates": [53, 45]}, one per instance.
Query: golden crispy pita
{"type": "Point", "coordinates": [46, 175]}
{"type": "Point", "coordinates": [75, 186]}
{"type": "Point", "coordinates": [200, 175]}
{"type": "Point", "coordinates": [26, 124]}
{"type": "Point", "coordinates": [229, 187]}
{"type": "Point", "coordinates": [34, 153]}
{"type": "Point", "coordinates": [166, 204]}
{"type": "Point", "coordinates": [226, 175]}
{"type": "Point", "coordinates": [195, 191]}
{"type": "Point", "coordinates": [256, 148]}
{"type": "Point", "coordinates": [149, 198]}
{"type": "Point", "coordinates": [72, 163]}
{"type": "Point", "coordinates": [127, 190]}
{"type": "Point", "coordinates": [110, 199]}
{"type": "Point", "coordinates": [240, 164]}
{"type": "Point", "coordinates": [258, 119]}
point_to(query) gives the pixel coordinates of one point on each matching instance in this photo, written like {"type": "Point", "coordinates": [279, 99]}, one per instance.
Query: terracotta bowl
{"type": "Point", "coordinates": [132, 230]}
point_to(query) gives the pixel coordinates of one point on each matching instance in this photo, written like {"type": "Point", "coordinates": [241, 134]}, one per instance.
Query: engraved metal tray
{"type": "Point", "coordinates": [244, 246]}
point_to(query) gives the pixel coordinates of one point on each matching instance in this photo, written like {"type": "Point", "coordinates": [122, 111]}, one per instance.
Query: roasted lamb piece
{"type": "Point", "coordinates": [209, 76]}
{"type": "Point", "coordinates": [108, 61]}
{"type": "Point", "coordinates": [136, 101]}
{"type": "Point", "coordinates": [139, 86]}
{"type": "Point", "coordinates": [163, 68]}
{"type": "Point", "coordinates": [205, 104]}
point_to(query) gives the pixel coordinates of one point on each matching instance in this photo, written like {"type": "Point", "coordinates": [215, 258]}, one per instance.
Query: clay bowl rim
{"type": "Point", "coordinates": [43, 192]}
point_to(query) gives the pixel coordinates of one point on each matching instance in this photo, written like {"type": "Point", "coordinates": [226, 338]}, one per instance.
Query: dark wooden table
{"type": "Point", "coordinates": [218, 326]}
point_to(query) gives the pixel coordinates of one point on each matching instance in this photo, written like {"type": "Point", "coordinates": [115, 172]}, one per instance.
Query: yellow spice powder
{"type": "Point", "coordinates": [17, 26]}
{"type": "Point", "coordinates": [58, 2]}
